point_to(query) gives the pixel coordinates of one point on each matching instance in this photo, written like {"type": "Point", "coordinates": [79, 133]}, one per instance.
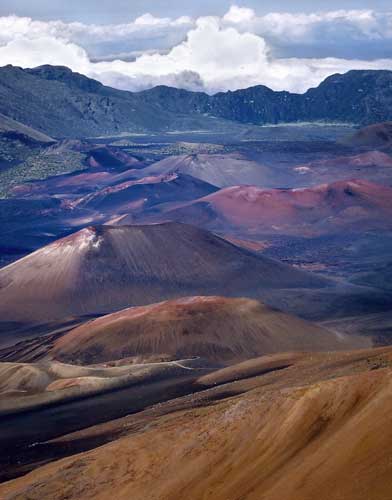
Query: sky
{"type": "Point", "coordinates": [116, 11]}
{"type": "Point", "coordinates": [210, 46]}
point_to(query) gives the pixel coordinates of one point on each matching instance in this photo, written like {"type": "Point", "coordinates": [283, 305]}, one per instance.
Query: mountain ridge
{"type": "Point", "coordinates": [60, 103]}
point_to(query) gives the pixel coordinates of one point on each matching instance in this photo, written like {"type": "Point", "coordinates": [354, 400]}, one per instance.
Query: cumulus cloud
{"type": "Point", "coordinates": [189, 80]}
{"type": "Point", "coordinates": [209, 53]}
{"type": "Point", "coordinates": [239, 15]}
{"type": "Point", "coordinates": [144, 33]}
{"type": "Point", "coordinates": [44, 50]}
{"type": "Point", "coordinates": [336, 33]}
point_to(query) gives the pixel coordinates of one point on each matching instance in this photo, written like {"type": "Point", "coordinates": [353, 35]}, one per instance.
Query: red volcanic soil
{"type": "Point", "coordinates": [374, 166]}
{"type": "Point", "coordinates": [368, 159]}
{"type": "Point", "coordinates": [107, 166]}
{"type": "Point", "coordinates": [214, 328]}
{"type": "Point", "coordinates": [103, 269]}
{"type": "Point", "coordinates": [217, 169]}
{"type": "Point", "coordinates": [378, 135]}
{"type": "Point", "coordinates": [354, 205]}
{"type": "Point", "coordinates": [74, 183]}
{"type": "Point", "coordinates": [375, 158]}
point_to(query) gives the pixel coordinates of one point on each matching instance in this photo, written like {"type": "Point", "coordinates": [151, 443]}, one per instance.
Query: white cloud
{"type": "Point", "coordinates": [184, 79]}
{"type": "Point", "coordinates": [144, 33]}
{"type": "Point", "coordinates": [363, 23]}
{"type": "Point", "coordinates": [210, 53]}
{"type": "Point", "coordinates": [150, 20]}
{"type": "Point", "coordinates": [44, 50]}
{"type": "Point", "coordinates": [335, 31]}
{"type": "Point", "coordinates": [219, 55]}
{"type": "Point", "coordinates": [239, 15]}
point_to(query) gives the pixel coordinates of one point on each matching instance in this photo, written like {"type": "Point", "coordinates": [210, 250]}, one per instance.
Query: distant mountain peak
{"type": "Point", "coordinates": [66, 75]}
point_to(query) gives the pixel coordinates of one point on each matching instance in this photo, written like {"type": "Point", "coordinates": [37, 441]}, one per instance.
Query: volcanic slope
{"type": "Point", "coordinates": [378, 135]}
{"type": "Point", "coordinates": [374, 166]}
{"type": "Point", "coordinates": [103, 269]}
{"type": "Point", "coordinates": [24, 386]}
{"type": "Point", "coordinates": [297, 433]}
{"type": "Point", "coordinates": [215, 328]}
{"type": "Point", "coordinates": [218, 169]}
{"type": "Point", "coordinates": [13, 128]}
{"type": "Point", "coordinates": [74, 184]}
{"type": "Point", "coordinates": [324, 209]}
{"type": "Point", "coordinates": [137, 195]}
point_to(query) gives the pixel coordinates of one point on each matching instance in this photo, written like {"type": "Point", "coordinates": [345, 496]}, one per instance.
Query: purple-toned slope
{"type": "Point", "coordinates": [218, 169]}
{"type": "Point", "coordinates": [103, 269]}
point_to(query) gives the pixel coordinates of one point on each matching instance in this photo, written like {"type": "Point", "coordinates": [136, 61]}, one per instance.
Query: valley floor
{"type": "Point", "coordinates": [136, 359]}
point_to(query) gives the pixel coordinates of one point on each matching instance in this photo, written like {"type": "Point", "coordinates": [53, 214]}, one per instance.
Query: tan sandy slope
{"type": "Point", "coordinates": [317, 429]}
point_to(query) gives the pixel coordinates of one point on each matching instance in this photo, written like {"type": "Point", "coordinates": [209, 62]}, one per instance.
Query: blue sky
{"type": "Point", "coordinates": [114, 11]}
{"type": "Point", "coordinates": [199, 45]}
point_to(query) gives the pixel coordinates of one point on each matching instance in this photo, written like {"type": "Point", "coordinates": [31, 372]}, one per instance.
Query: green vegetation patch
{"type": "Point", "coordinates": [35, 164]}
